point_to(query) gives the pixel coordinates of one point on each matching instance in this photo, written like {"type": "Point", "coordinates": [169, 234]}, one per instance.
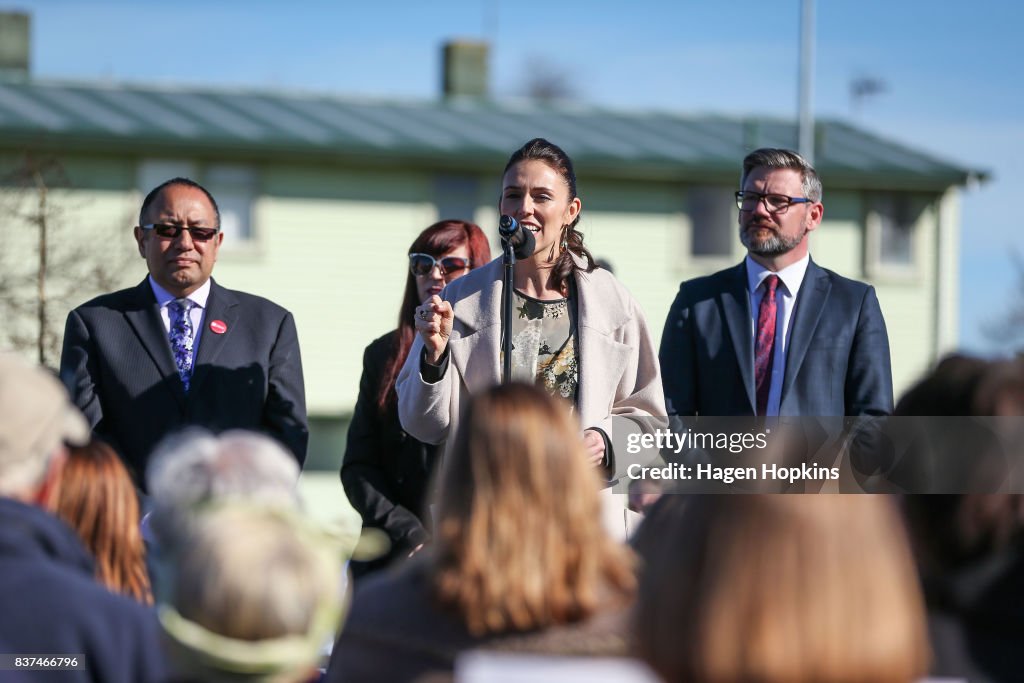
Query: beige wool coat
{"type": "Point", "coordinates": [619, 387]}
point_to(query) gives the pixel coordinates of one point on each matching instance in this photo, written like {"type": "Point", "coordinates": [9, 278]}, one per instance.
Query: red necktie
{"type": "Point", "coordinates": [764, 348]}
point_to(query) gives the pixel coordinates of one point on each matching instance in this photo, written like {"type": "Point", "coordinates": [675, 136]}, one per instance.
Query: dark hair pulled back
{"type": "Point", "coordinates": [539, 149]}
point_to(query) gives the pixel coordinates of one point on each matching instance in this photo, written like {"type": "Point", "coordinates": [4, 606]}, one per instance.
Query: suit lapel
{"type": "Point", "coordinates": [476, 352]}
{"type": "Point", "coordinates": [735, 302]}
{"type": "Point", "coordinates": [221, 305]}
{"type": "Point", "coordinates": [599, 318]}
{"type": "Point", "coordinates": [477, 358]}
{"type": "Point", "coordinates": [810, 304]}
{"type": "Point", "coordinates": [144, 318]}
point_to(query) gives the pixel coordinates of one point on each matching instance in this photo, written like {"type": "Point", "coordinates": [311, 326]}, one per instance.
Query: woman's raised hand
{"type": "Point", "coordinates": [433, 322]}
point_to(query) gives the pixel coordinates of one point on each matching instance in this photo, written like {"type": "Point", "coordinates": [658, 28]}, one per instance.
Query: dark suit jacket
{"type": "Point", "coordinates": [118, 366]}
{"type": "Point", "coordinates": [385, 471]}
{"type": "Point", "coordinates": [837, 361]}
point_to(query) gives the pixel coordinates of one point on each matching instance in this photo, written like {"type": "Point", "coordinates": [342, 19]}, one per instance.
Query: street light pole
{"type": "Point", "coordinates": [805, 110]}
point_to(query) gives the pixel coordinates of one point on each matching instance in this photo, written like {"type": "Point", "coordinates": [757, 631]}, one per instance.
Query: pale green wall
{"type": "Point", "coordinates": [910, 304]}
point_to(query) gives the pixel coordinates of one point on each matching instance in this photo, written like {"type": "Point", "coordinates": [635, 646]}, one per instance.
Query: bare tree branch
{"type": "Point", "coordinates": [52, 261]}
{"type": "Point", "coordinates": [1008, 332]}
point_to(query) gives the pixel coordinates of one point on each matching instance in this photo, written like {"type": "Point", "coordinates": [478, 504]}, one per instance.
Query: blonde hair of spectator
{"type": "Point", "coordinates": [255, 594]}
{"type": "Point", "coordinates": [94, 495]}
{"type": "Point", "coordinates": [519, 542]}
{"type": "Point", "coordinates": [781, 588]}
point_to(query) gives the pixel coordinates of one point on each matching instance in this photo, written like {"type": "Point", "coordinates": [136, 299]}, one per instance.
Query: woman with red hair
{"type": "Point", "coordinates": [95, 496]}
{"type": "Point", "coordinates": [385, 471]}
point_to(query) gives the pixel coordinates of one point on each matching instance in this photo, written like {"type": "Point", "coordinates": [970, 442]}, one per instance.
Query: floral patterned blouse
{"type": "Point", "coordinates": [543, 344]}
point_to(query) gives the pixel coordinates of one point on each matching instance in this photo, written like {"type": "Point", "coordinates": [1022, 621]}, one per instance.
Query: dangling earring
{"type": "Point", "coordinates": [565, 237]}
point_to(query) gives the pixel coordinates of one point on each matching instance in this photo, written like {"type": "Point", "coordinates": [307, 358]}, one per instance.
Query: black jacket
{"type": "Point", "coordinates": [976, 618]}
{"type": "Point", "coordinates": [118, 366]}
{"type": "Point", "coordinates": [385, 471]}
{"type": "Point", "coordinates": [53, 606]}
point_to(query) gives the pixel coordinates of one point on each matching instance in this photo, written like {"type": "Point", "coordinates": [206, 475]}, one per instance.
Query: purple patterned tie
{"type": "Point", "coordinates": [181, 338]}
{"type": "Point", "coordinates": [764, 348]}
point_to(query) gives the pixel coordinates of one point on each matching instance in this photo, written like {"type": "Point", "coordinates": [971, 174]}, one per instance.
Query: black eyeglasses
{"type": "Point", "coordinates": [775, 203]}
{"type": "Point", "coordinates": [423, 264]}
{"type": "Point", "coordinates": [171, 232]}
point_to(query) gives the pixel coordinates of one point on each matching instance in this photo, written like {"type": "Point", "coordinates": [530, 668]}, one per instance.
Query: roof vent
{"type": "Point", "coordinates": [14, 46]}
{"type": "Point", "coordinates": [465, 68]}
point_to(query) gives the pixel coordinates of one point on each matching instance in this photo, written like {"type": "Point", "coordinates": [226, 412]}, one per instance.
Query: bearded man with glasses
{"type": "Point", "coordinates": [178, 349]}
{"type": "Point", "coordinates": [776, 334]}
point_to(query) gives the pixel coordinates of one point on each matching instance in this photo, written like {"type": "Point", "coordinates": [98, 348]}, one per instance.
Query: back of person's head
{"type": "Point", "coordinates": [519, 542]}
{"type": "Point", "coordinates": [94, 495]}
{"type": "Point", "coordinates": [954, 530]}
{"type": "Point", "coordinates": [1000, 391]}
{"type": "Point", "coordinates": [948, 390]}
{"type": "Point", "coordinates": [255, 593]}
{"type": "Point", "coordinates": [36, 420]}
{"type": "Point", "coordinates": [195, 467]}
{"type": "Point", "coordinates": [779, 588]}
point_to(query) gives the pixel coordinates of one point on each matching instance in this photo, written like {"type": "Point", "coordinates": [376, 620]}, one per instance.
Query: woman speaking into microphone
{"type": "Point", "coordinates": [575, 328]}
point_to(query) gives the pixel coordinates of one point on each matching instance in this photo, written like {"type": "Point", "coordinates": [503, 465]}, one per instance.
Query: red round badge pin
{"type": "Point", "coordinates": [218, 326]}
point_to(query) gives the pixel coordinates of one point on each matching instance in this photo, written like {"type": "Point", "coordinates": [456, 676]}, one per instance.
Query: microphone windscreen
{"type": "Point", "coordinates": [525, 248]}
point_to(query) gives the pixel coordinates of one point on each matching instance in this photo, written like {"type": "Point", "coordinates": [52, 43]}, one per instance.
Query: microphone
{"type": "Point", "coordinates": [522, 240]}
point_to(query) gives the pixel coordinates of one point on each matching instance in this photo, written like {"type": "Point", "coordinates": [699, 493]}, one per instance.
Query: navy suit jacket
{"type": "Point", "coordinates": [53, 605]}
{"type": "Point", "coordinates": [837, 362]}
{"type": "Point", "coordinates": [119, 369]}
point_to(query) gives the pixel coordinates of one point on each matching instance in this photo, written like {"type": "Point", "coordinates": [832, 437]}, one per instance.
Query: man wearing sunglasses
{"type": "Point", "coordinates": [178, 349]}
{"type": "Point", "coordinates": [777, 334]}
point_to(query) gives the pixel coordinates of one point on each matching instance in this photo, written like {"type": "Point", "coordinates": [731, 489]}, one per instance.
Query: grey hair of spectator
{"type": "Point", "coordinates": [769, 157]}
{"type": "Point", "coordinates": [195, 467]}
{"type": "Point", "coordinates": [254, 594]}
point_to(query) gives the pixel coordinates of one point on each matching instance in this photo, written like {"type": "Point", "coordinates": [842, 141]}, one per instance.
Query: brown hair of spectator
{"type": "Point", "coordinates": [94, 495]}
{"type": "Point", "coordinates": [519, 542]}
{"type": "Point", "coordinates": [953, 530]}
{"type": "Point", "coordinates": [780, 588]}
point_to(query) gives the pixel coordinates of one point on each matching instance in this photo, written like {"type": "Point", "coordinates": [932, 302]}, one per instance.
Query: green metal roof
{"type": "Point", "coordinates": [456, 133]}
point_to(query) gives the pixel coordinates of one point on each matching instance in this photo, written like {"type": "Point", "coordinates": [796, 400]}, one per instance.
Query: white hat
{"type": "Point", "coordinates": [36, 415]}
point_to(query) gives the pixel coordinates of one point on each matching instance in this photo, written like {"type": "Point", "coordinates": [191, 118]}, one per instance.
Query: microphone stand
{"type": "Point", "coordinates": [509, 260]}
{"type": "Point", "coordinates": [515, 241]}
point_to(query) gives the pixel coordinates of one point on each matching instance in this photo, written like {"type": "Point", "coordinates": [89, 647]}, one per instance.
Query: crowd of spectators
{"type": "Point", "coordinates": [240, 584]}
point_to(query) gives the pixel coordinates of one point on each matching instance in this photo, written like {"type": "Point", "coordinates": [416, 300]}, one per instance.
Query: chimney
{"type": "Point", "coordinates": [14, 46]}
{"type": "Point", "coordinates": [465, 68]}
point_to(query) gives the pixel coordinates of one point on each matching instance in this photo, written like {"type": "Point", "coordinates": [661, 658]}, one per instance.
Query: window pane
{"type": "Point", "coordinates": [711, 220]}
{"type": "Point", "coordinates": [896, 225]}
{"type": "Point", "coordinates": [456, 197]}
{"type": "Point", "coordinates": [234, 188]}
{"type": "Point", "coordinates": [153, 172]}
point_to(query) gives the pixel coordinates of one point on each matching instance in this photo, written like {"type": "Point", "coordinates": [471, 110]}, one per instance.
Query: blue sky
{"type": "Point", "coordinates": [953, 86]}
